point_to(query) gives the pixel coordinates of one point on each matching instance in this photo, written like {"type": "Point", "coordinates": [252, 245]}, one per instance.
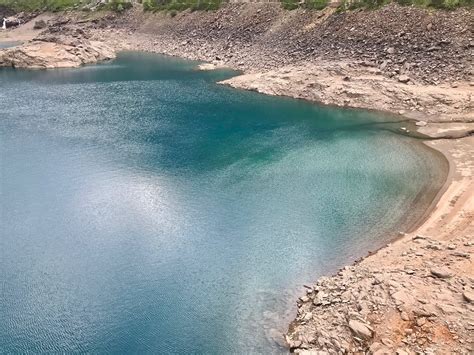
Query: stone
{"type": "Point", "coordinates": [360, 329]}
{"type": "Point", "coordinates": [404, 79]}
{"type": "Point", "coordinates": [404, 316]}
{"type": "Point", "coordinates": [304, 299]}
{"type": "Point", "coordinates": [391, 50]}
{"type": "Point", "coordinates": [468, 296]}
{"type": "Point", "coordinates": [421, 322]}
{"type": "Point", "coordinates": [441, 272]}
{"type": "Point", "coordinates": [39, 25]}
{"type": "Point", "coordinates": [421, 123]}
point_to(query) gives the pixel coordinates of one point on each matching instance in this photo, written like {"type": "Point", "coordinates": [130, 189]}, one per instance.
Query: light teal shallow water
{"type": "Point", "coordinates": [147, 209]}
{"type": "Point", "coordinates": [8, 44]}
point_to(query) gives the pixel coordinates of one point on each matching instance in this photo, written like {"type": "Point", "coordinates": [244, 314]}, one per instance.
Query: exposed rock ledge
{"type": "Point", "coordinates": [345, 84]}
{"type": "Point", "coordinates": [58, 54]}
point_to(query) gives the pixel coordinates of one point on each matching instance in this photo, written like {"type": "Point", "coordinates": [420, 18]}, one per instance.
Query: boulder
{"type": "Point", "coordinates": [361, 330]}
{"type": "Point", "coordinates": [40, 24]}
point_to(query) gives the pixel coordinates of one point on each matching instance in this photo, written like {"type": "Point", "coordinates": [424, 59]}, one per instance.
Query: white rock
{"type": "Point", "coordinates": [468, 296]}
{"type": "Point", "coordinates": [441, 272]}
{"type": "Point", "coordinates": [360, 329]}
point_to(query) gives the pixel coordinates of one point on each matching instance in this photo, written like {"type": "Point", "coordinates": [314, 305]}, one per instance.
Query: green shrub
{"type": "Point", "coordinates": [119, 5]}
{"type": "Point", "coordinates": [181, 5]}
{"type": "Point", "coordinates": [148, 5]}
{"type": "Point", "coordinates": [43, 5]}
{"type": "Point", "coordinates": [451, 4]}
{"type": "Point", "coordinates": [289, 4]}
{"type": "Point", "coordinates": [373, 4]}
{"type": "Point", "coordinates": [315, 4]}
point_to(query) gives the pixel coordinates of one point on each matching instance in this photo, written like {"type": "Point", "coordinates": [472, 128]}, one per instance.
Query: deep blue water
{"type": "Point", "coordinates": [146, 209]}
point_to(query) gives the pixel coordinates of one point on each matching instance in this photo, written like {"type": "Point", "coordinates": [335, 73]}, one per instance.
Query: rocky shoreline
{"type": "Point", "coordinates": [416, 294]}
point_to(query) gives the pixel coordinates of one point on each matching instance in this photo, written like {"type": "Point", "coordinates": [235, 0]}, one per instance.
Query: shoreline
{"type": "Point", "coordinates": [414, 293]}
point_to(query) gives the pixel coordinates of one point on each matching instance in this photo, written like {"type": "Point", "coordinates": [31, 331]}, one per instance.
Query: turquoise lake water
{"type": "Point", "coordinates": [9, 44]}
{"type": "Point", "coordinates": [146, 209]}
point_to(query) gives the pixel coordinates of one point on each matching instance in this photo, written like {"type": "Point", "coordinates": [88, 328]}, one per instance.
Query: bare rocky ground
{"type": "Point", "coordinates": [50, 43]}
{"type": "Point", "coordinates": [415, 295]}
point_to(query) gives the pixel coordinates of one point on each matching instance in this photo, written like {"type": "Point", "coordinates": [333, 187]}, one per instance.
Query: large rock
{"type": "Point", "coordinates": [404, 79]}
{"type": "Point", "coordinates": [468, 296]}
{"type": "Point", "coordinates": [360, 329]}
{"type": "Point", "coordinates": [46, 55]}
{"type": "Point", "coordinates": [441, 272]}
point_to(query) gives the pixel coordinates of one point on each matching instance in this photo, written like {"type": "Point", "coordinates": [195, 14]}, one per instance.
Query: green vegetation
{"type": "Point", "coordinates": [118, 5]}
{"type": "Point", "coordinates": [34, 5]}
{"type": "Point", "coordinates": [59, 5]}
{"type": "Point", "coordinates": [206, 5]}
{"type": "Point", "coordinates": [374, 4]}
{"type": "Point", "coordinates": [306, 4]}
{"type": "Point", "coordinates": [180, 5]}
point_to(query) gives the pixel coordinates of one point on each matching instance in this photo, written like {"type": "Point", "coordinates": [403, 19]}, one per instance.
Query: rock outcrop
{"type": "Point", "coordinates": [60, 54]}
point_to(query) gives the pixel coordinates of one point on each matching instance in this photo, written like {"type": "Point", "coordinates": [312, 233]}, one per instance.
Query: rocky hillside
{"type": "Point", "coordinates": [431, 47]}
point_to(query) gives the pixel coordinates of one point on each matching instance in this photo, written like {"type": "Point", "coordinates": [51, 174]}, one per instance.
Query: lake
{"type": "Point", "coordinates": [147, 209]}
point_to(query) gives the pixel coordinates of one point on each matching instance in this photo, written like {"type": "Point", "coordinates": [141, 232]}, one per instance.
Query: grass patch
{"type": "Point", "coordinates": [375, 4]}
{"type": "Point", "coordinates": [61, 5]}
{"type": "Point", "coordinates": [306, 4]}
{"type": "Point", "coordinates": [40, 5]}
{"type": "Point", "coordinates": [180, 5]}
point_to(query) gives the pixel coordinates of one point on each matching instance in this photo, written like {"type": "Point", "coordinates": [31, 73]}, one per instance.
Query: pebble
{"type": "Point", "coordinates": [420, 322]}
{"type": "Point", "coordinates": [404, 79]}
